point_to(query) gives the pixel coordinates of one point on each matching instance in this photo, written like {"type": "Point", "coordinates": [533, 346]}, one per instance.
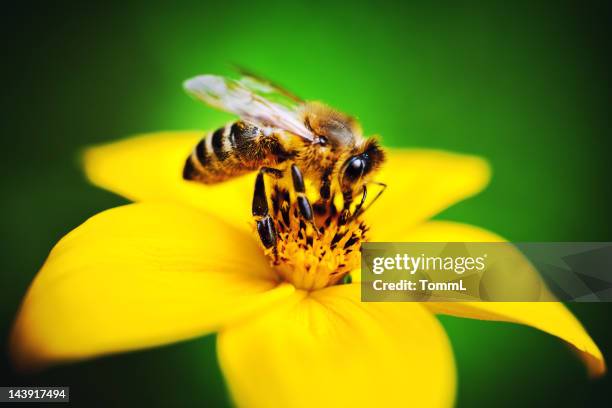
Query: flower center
{"type": "Point", "coordinates": [311, 260]}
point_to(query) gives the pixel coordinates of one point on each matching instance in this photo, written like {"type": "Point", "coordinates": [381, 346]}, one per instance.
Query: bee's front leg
{"type": "Point", "coordinates": [347, 197]}
{"type": "Point", "coordinates": [260, 210]}
{"type": "Point", "coordinates": [359, 206]}
{"type": "Point", "coordinates": [302, 201]}
{"type": "Point", "coordinates": [321, 206]}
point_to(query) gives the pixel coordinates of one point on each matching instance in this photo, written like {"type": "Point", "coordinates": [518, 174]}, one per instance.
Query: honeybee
{"type": "Point", "coordinates": [280, 135]}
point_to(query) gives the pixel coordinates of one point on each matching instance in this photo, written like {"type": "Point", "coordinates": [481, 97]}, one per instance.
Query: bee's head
{"type": "Point", "coordinates": [362, 163]}
{"type": "Point", "coordinates": [331, 128]}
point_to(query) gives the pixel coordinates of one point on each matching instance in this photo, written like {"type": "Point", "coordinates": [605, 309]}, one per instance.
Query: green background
{"type": "Point", "coordinates": [524, 86]}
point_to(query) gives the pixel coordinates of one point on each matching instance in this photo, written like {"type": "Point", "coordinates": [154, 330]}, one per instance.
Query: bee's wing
{"type": "Point", "coordinates": [246, 100]}
{"type": "Point", "coordinates": [271, 89]}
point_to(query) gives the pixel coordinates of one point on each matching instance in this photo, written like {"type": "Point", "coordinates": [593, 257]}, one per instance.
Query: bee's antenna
{"type": "Point", "coordinates": [360, 209]}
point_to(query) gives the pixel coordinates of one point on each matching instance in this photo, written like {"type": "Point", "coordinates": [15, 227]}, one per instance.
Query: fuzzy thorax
{"type": "Point", "coordinates": [311, 260]}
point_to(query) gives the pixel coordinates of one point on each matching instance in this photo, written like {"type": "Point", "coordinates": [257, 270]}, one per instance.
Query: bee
{"type": "Point", "coordinates": [280, 135]}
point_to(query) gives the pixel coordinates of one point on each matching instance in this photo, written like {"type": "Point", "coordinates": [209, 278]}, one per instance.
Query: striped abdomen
{"type": "Point", "coordinates": [233, 150]}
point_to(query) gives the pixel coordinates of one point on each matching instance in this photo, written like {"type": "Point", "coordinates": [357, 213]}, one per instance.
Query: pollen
{"type": "Point", "coordinates": [313, 255]}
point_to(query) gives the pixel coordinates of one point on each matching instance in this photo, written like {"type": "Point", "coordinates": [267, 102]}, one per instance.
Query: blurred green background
{"type": "Point", "coordinates": [525, 85]}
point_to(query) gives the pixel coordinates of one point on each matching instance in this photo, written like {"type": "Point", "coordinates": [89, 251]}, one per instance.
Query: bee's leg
{"type": "Point", "coordinates": [347, 199]}
{"type": "Point", "coordinates": [320, 206]}
{"type": "Point", "coordinates": [302, 201]}
{"type": "Point", "coordinates": [265, 224]}
{"type": "Point", "coordinates": [359, 206]}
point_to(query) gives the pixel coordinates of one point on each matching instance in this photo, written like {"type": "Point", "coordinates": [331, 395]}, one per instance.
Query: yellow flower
{"type": "Point", "coordinates": [183, 261]}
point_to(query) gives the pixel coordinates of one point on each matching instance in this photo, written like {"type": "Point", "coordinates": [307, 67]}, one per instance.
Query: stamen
{"type": "Point", "coordinates": [311, 260]}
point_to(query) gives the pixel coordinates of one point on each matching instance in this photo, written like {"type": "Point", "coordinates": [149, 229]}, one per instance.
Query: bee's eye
{"type": "Point", "coordinates": [354, 168]}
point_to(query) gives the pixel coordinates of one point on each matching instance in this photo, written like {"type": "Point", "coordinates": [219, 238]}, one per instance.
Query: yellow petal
{"type": "Point", "coordinates": [551, 317]}
{"type": "Point", "coordinates": [328, 349]}
{"type": "Point", "coordinates": [421, 183]}
{"type": "Point", "coordinates": [150, 167]}
{"type": "Point", "coordinates": [139, 276]}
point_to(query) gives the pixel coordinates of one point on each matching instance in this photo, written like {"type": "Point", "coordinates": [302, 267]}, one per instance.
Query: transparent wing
{"type": "Point", "coordinates": [271, 89]}
{"type": "Point", "coordinates": [247, 98]}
